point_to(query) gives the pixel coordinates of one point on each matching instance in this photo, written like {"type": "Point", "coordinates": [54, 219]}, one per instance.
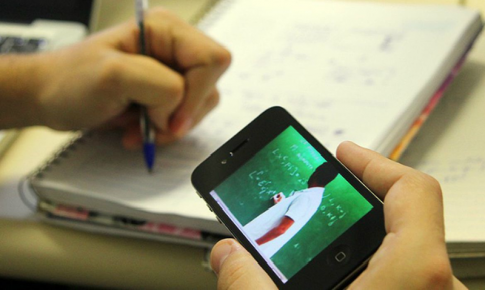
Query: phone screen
{"type": "Point", "coordinates": [290, 203]}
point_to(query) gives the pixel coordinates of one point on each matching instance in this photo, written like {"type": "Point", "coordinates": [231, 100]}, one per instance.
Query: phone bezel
{"type": "Point", "coordinates": [363, 238]}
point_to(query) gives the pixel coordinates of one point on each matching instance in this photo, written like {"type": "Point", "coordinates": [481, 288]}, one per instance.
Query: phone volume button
{"type": "Point", "coordinates": [198, 193]}
{"type": "Point", "coordinates": [210, 208]}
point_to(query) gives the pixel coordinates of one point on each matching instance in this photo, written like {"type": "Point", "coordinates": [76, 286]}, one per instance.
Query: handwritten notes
{"type": "Point", "coordinates": [346, 70]}
{"type": "Point", "coordinates": [455, 170]}
{"type": "Point", "coordinates": [354, 71]}
{"type": "Point", "coordinates": [450, 147]}
{"type": "Point", "coordinates": [98, 167]}
{"type": "Point", "coordinates": [461, 180]}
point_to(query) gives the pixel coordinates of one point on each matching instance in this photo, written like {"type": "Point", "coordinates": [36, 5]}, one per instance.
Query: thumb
{"type": "Point", "coordinates": [237, 269]}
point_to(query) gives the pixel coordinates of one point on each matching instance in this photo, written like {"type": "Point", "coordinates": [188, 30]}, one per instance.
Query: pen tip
{"type": "Point", "coordinates": [149, 152]}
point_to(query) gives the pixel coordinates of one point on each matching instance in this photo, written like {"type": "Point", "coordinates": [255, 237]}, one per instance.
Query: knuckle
{"type": "Point", "coordinates": [431, 183]}
{"type": "Point", "coordinates": [420, 179]}
{"type": "Point", "coordinates": [160, 13]}
{"type": "Point", "coordinates": [221, 57]}
{"type": "Point", "coordinates": [213, 100]}
{"type": "Point", "coordinates": [175, 89]}
{"type": "Point", "coordinates": [437, 273]}
{"type": "Point", "coordinates": [109, 74]}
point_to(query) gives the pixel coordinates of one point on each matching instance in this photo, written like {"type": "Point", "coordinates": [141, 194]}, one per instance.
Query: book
{"type": "Point", "coordinates": [95, 172]}
{"type": "Point", "coordinates": [449, 147]}
{"type": "Point", "coordinates": [95, 221]}
{"type": "Point", "coordinates": [347, 70]}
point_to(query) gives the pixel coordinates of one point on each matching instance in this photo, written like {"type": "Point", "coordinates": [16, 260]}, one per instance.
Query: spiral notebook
{"type": "Point", "coordinates": [346, 70]}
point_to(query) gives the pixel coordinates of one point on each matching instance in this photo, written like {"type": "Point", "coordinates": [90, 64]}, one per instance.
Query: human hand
{"type": "Point", "coordinates": [96, 82]}
{"type": "Point", "coordinates": [278, 197]}
{"type": "Point", "coordinates": [413, 254]}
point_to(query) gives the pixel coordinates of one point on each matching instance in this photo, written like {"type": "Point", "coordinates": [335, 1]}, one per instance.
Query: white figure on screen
{"type": "Point", "coordinates": [272, 229]}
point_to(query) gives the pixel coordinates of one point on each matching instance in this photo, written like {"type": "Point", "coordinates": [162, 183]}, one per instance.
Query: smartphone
{"type": "Point", "coordinates": [307, 220]}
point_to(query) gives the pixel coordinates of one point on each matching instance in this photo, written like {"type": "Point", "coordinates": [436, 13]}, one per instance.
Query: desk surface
{"type": "Point", "coordinates": [33, 250]}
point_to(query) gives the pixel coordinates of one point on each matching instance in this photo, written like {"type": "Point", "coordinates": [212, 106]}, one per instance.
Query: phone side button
{"type": "Point", "coordinates": [218, 219]}
{"type": "Point", "coordinates": [210, 208]}
{"type": "Point", "coordinates": [198, 193]}
{"type": "Point", "coordinates": [340, 255]}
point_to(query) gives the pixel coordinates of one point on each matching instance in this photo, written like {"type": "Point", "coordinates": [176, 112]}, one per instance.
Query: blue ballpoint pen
{"type": "Point", "coordinates": [147, 128]}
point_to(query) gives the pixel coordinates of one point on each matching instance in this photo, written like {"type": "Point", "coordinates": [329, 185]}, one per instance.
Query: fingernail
{"type": "Point", "coordinates": [222, 251]}
{"type": "Point", "coordinates": [182, 127]}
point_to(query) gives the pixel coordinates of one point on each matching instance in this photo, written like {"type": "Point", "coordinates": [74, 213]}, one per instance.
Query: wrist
{"type": "Point", "coordinates": [22, 79]}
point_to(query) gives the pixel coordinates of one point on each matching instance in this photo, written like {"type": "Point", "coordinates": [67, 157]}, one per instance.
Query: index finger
{"type": "Point", "coordinates": [412, 199]}
{"type": "Point", "coordinates": [197, 57]}
{"type": "Point", "coordinates": [376, 171]}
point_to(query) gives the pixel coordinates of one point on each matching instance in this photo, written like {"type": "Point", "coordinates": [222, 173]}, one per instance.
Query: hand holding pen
{"type": "Point", "coordinates": [199, 71]}
{"type": "Point", "coordinates": [104, 75]}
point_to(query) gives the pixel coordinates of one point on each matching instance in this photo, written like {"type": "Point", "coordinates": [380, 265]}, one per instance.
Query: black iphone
{"type": "Point", "coordinates": [307, 220]}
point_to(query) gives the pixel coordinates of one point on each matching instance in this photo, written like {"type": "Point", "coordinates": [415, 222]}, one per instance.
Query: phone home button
{"type": "Point", "coordinates": [339, 255]}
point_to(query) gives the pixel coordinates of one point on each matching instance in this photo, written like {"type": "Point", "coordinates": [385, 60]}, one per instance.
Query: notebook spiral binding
{"type": "Point", "coordinates": [58, 155]}
{"type": "Point", "coordinates": [27, 193]}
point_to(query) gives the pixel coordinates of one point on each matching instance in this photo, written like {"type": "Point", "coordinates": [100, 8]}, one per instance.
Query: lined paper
{"type": "Point", "coordinates": [347, 71]}
{"type": "Point", "coordinates": [450, 147]}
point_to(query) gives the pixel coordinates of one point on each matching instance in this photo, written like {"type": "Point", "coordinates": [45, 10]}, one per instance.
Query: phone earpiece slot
{"type": "Point", "coordinates": [238, 147]}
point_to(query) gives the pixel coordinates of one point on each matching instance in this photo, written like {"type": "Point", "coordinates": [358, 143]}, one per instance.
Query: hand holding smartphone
{"type": "Point", "coordinates": [307, 220]}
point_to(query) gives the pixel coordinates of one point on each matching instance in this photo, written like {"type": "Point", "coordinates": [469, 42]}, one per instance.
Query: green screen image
{"type": "Point", "coordinates": [284, 166]}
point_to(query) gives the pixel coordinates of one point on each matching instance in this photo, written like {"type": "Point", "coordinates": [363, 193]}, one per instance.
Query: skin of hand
{"type": "Point", "coordinates": [413, 254]}
{"type": "Point", "coordinates": [96, 82]}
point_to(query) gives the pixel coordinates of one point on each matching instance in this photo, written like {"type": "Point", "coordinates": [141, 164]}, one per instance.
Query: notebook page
{"type": "Point", "coordinates": [450, 146]}
{"type": "Point", "coordinates": [461, 180]}
{"type": "Point", "coordinates": [98, 167]}
{"type": "Point", "coordinates": [344, 80]}
{"type": "Point", "coordinates": [347, 71]}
